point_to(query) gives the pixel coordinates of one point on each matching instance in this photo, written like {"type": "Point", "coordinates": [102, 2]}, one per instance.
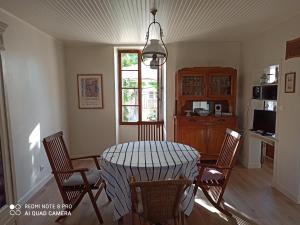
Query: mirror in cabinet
{"type": "Point", "coordinates": [193, 85]}
{"type": "Point", "coordinates": [220, 85]}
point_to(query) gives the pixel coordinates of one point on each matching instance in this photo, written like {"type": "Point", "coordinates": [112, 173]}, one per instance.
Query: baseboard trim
{"type": "Point", "coordinates": [34, 190]}
{"type": "Point", "coordinates": [285, 192]}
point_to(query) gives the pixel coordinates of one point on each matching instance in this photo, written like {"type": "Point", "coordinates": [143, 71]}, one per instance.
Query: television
{"type": "Point", "coordinates": [264, 121]}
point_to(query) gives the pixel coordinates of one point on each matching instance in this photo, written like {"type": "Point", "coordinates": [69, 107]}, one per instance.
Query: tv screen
{"type": "Point", "coordinates": [264, 121]}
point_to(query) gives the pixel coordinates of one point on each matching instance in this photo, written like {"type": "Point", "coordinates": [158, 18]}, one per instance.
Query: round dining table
{"type": "Point", "coordinates": [146, 161]}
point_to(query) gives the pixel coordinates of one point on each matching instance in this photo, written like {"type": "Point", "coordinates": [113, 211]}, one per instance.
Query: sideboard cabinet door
{"type": "Point", "coordinates": [215, 139]}
{"type": "Point", "coordinates": [195, 137]}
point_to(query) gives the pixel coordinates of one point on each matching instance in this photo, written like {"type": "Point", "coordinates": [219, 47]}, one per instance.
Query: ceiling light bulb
{"type": "Point", "coordinates": [154, 63]}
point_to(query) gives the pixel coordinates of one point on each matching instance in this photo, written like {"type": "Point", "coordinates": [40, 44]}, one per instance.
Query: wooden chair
{"type": "Point", "coordinates": [151, 131]}
{"type": "Point", "coordinates": [73, 183]}
{"type": "Point", "coordinates": [213, 178]}
{"type": "Point", "coordinates": [157, 202]}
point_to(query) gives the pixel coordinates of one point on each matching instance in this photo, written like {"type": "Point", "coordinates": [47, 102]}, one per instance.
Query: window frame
{"type": "Point", "coordinates": [139, 88]}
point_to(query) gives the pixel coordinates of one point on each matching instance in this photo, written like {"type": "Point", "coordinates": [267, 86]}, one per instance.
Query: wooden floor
{"type": "Point", "coordinates": [249, 195]}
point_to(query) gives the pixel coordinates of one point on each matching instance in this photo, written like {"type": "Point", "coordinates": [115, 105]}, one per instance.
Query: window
{"type": "Point", "coordinates": [139, 89]}
{"type": "Point", "coordinates": [272, 73]}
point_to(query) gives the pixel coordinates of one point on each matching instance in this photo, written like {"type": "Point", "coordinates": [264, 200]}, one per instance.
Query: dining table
{"type": "Point", "coordinates": [146, 161]}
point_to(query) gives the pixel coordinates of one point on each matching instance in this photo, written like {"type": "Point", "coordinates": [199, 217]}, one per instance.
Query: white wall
{"type": "Point", "coordinates": [269, 49]}
{"type": "Point", "coordinates": [34, 77]}
{"type": "Point", "coordinates": [91, 130]}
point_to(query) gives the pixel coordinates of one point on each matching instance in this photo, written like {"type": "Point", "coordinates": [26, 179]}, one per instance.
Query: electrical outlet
{"type": "Point", "coordinates": [42, 168]}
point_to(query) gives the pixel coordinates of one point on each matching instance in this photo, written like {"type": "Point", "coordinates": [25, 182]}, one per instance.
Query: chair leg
{"type": "Point", "coordinates": [95, 206]}
{"type": "Point", "coordinates": [217, 206]}
{"type": "Point", "coordinates": [224, 211]}
{"type": "Point", "coordinates": [121, 221]}
{"type": "Point", "coordinates": [68, 210]}
{"type": "Point", "coordinates": [195, 189]}
{"type": "Point", "coordinates": [109, 199]}
{"type": "Point", "coordinates": [182, 218]}
{"type": "Point", "coordinates": [99, 191]}
{"type": "Point", "coordinates": [141, 220]}
{"type": "Point", "coordinates": [132, 218]}
{"type": "Point", "coordinates": [176, 221]}
{"type": "Point", "coordinates": [222, 206]}
{"type": "Point", "coordinates": [62, 217]}
{"type": "Point", "coordinates": [74, 206]}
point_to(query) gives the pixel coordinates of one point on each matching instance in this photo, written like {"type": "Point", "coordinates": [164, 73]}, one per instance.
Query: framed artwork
{"type": "Point", "coordinates": [290, 82]}
{"type": "Point", "coordinates": [90, 91]}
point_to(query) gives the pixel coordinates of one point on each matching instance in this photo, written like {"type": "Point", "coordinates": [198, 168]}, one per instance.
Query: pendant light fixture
{"type": "Point", "coordinates": [156, 50]}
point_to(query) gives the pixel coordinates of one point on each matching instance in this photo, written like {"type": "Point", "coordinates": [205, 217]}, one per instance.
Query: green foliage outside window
{"type": "Point", "coordinates": [129, 59]}
{"type": "Point", "coordinates": [128, 95]}
{"type": "Point", "coordinates": [150, 84]}
{"type": "Point", "coordinates": [125, 114]}
{"type": "Point", "coordinates": [153, 84]}
{"type": "Point", "coordinates": [130, 83]}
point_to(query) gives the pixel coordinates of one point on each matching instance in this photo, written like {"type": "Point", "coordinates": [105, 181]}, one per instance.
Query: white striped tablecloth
{"type": "Point", "coordinates": [146, 161]}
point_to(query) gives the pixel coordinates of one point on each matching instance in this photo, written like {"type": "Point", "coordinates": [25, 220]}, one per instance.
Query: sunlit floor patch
{"type": "Point", "coordinates": [209, 207]}
{"type": "Point", "coordinates": [239, 218]}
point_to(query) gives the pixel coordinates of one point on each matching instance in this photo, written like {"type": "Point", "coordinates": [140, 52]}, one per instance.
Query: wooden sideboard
{"type": "Point", "coordinates": [213, 85]}
{"type": "Point", "coordinates": [205, 134]}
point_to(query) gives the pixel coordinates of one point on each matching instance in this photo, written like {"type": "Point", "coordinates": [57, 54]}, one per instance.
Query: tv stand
{"type": "Point", "coordinates": [267, 137]}
{"type": "Point", "coordinates": [256, 143]}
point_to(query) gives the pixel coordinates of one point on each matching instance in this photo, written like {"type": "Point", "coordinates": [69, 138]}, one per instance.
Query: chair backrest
{"type": "Point", "coordinates": [58, 155]}
{"type": "Point", "coordinates": [160, 199]}
{"type": "Point", "coordinates": [151, 131]}
{"type": "Point", "coordinates": [229, 148]}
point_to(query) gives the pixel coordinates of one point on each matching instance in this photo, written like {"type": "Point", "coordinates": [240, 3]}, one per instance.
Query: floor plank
{"type": "Point", "coordinates": [249, 196]}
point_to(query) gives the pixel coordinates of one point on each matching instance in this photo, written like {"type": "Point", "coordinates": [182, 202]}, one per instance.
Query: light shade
{"type": "Point", "coordinates": [154, 48]}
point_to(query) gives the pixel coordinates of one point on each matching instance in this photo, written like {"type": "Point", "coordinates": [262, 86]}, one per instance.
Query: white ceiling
{"type": "Point", "coordinates": [126, 21]}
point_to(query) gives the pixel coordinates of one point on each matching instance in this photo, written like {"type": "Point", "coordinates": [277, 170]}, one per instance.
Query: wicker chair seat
{"type": "Point", "coordinates": [93, 176]}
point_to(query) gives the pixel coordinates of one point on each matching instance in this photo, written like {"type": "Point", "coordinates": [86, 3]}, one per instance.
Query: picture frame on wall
{"type": "Point", "coordinates": [290, 82]}
{"type": "Point", "coordinates": [90, 91]}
